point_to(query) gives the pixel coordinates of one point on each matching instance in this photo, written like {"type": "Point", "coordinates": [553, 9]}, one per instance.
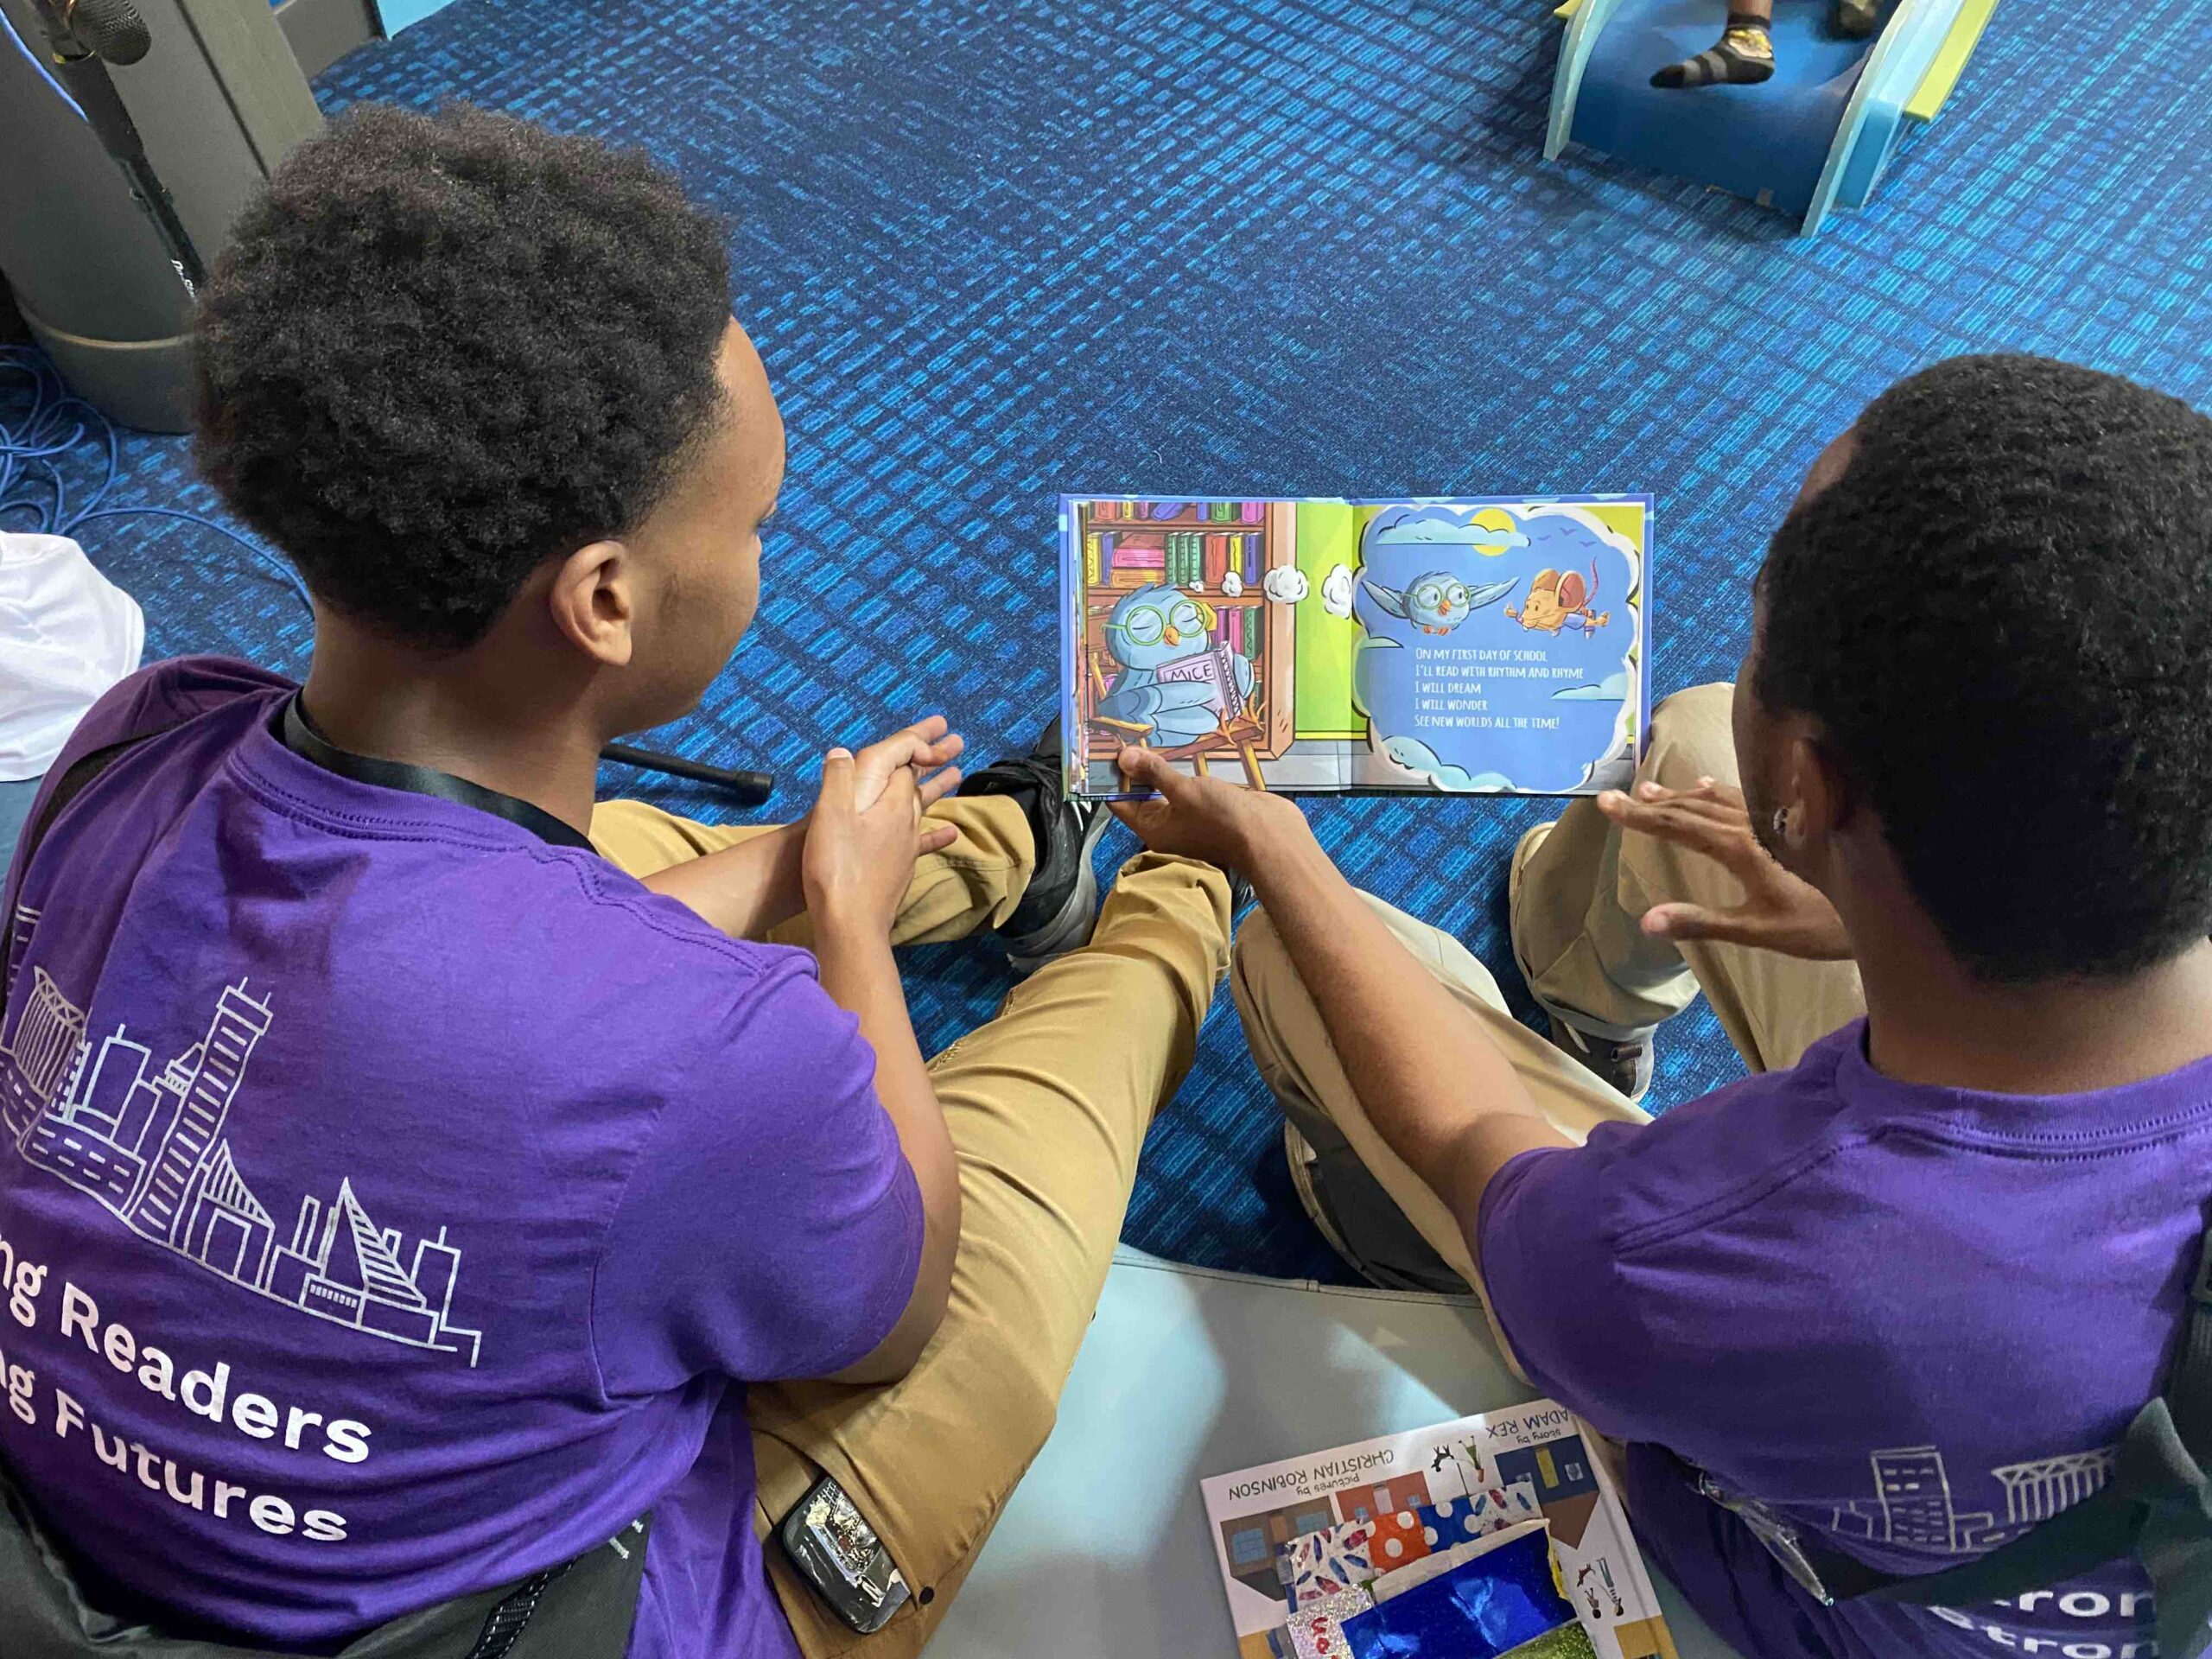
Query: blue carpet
{"type": "Point", "coordinates": [997, 249]}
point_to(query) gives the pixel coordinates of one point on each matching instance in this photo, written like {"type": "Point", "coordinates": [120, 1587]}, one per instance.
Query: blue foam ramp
{"type": "Point", "coordinates": [1816, 137]}
{"type": "Point", "coordinates": [1770, 142]}
{"type": "Point", "coordinates": [1102, 1552]}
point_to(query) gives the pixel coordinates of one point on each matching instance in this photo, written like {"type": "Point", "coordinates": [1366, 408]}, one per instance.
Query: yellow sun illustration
{"type": "Point", "coordinates": [1500, 524]}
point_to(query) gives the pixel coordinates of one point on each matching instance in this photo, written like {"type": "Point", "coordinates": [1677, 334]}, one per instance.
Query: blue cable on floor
{"type": "Point", "coordinates": [41, 423]}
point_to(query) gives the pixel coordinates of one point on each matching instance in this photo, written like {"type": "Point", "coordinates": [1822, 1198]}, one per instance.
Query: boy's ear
{"type": "Point", "coordinates": [593, 599]}
{"type": "Point", "coordinates": [1819, 791]}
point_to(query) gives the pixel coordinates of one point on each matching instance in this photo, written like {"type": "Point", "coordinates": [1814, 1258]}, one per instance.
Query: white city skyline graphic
{"type": "Point", "coordinates": [1913, 1507]}
{"type": "Point", "coordinates": [145, 1138]}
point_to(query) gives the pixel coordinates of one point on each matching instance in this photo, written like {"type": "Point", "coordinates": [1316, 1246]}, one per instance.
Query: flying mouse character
{"type": "Point", "coordinates": [1559, 600]}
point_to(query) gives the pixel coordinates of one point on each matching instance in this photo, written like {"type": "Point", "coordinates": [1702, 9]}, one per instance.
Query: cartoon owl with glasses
{"type": "Point", "coordinates": [1173, 682]}
{"type": "Point", "coordinates": [1436, 602]}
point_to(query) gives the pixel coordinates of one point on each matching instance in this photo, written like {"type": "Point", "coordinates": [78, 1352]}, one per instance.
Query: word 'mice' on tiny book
{"type": "Point", "coordinates": [1484, 645]}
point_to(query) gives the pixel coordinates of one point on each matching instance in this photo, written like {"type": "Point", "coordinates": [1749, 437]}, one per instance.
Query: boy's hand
{"type": "Point", "coordinates": [925, 751]}
{"type": "Point", "coordinates": [922, 747]}
{"type": "Point", "coordinates": [755, 886]}
{"type": "Point", "coordinates": [859, 859]}
{"type": "Point", "coordinates": [1779, 912]}
{"type": "Point", "coordinates": [1203, 817]}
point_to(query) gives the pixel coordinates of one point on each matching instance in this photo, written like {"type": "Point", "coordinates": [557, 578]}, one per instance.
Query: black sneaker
{"type": "Point", "coordinates": [1057, 914]}
{"type": "Point", "coordinates": [1625, 1065]}
{"type": "Point", "coordinates": [1241, 896]}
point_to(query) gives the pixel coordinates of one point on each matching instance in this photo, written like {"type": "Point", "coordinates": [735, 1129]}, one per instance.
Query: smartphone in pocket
{"type": "Point", "coordinates": [834, 1549]}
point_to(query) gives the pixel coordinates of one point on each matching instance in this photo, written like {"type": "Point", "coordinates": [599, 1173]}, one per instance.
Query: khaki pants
{"type": "Point", "coordinates": [1575, 928]}
{"type": "Point", "coordinates": [1047, 1106]}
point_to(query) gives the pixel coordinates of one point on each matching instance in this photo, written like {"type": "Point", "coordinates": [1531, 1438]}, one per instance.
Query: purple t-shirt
{"type": "Point", "coordinates": [1909, 1322]}
{"type": "Point", "coordinates": [394, 1203]}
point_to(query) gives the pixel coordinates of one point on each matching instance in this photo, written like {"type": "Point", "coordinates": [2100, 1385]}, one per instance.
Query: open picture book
{"type": "Point", "coordinates": [1479, 645]}
{"type": "Point", "coordinates": [1494, 1535]}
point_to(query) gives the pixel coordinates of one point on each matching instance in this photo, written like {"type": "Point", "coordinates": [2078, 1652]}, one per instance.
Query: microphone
{"type": "Point", "coordinates": [111, 30]}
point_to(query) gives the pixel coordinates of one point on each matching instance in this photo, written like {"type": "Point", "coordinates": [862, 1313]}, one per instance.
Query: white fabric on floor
{"type": "Point", "coordinates": [67, 634]}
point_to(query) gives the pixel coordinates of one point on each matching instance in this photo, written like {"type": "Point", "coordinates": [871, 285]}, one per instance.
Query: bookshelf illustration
{"type": "Point", "coordinates": [1219, 553]}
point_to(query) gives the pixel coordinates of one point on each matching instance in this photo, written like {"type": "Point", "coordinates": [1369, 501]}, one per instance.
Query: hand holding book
{"type": "Point", "coordinates": [1223, 823]}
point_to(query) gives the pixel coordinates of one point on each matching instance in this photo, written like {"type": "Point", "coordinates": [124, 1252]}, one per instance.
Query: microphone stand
{"type": "Point", "coordinates": [79, 68]}
{"type": "Point", "coordinates": [750, 788]}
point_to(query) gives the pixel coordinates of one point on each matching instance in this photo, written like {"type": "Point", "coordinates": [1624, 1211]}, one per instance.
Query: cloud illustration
{"type": "Point", "coordinates": [1417, 756]}
{"type": "Point", "coordinates": [1336, 592]}
{"type": "Point", "coordinates": [1488, 530]}
{"type": "Point", "coordinates": [1612, 688]}
{"type": "Point", "coordinates": [1232, 583]}
{"type": "Point", "coordinates": [1425, 529]}
{"type": "Point", "coordinates": [1285, 585]}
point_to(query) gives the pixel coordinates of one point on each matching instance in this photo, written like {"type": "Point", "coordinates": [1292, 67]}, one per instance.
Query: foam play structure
{"type": "Point", "coordinates": [1813, 140]}
{"type": "Point", "coordinates": [1102, 1552]}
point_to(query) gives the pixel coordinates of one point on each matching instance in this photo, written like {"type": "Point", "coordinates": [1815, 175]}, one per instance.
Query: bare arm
{"type": "Point", "coordinates": [860, 976]}
{"type": "Point", "coordinates": [744, 890]}
{"type": "Point", "coordinates": [859, 858]}
{"type": "Point", "coordinates": [1429, 1079]}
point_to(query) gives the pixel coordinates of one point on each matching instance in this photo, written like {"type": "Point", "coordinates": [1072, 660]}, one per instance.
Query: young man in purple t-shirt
{"type": "Point", "coordinates": [416, 1174]}
{"type": "Point", "coordinates": [1942, 862]}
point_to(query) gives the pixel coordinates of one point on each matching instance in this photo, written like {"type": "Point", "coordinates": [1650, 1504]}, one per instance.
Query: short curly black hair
{"type": "Point", "coordinates": [442, 349]}
{"type": "Point", "coordinates": [2001, 615]}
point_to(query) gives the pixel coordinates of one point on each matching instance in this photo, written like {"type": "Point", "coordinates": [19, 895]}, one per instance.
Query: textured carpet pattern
{"type": "Point", "coordinates": [997, 249]}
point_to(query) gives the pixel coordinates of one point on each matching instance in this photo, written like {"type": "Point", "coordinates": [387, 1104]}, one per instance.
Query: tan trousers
{"type": "Point", "coordinates": [1047, 1106]}
{"type": "Point", "coordinates": [1575, 929]}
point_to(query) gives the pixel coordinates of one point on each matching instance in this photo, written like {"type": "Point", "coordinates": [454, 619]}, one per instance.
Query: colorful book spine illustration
{"type": "Point", "coordinates": [1094, 558]}
{"type": "Point", "coordinates": [1134, 563]}
{"type": "Point", "coordinates": [1217, 560]}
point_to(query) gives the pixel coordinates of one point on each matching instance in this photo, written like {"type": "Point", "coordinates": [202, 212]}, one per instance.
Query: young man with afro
{"type": "Point", "coordinates": [1942, 860]}
{"type": "Point", "coordinates": [449, 1171]}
